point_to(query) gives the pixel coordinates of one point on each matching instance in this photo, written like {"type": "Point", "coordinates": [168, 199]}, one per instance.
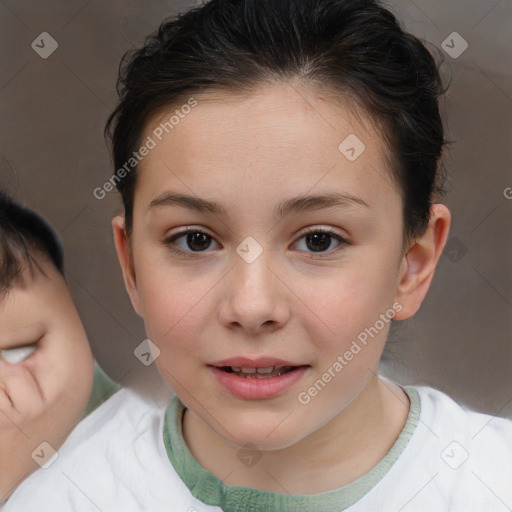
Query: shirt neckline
{"type": "Point", "coordinates": [209, 489]}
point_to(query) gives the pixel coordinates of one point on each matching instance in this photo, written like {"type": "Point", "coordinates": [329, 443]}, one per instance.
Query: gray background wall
{"type": "Point", "coordinates": [53, 155]}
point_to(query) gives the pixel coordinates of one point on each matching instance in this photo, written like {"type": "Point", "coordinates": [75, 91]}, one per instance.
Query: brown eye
{"type": "Point", "coordinates": [190, 241]}
{"type": "Point", "coordinates": [320, 241]}
{"type": "Point", "coordinates": [198, 241]}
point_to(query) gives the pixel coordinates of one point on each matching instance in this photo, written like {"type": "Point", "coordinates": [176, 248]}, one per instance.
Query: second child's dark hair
{"type": "Point", "coordinates": [22, 232]}
{"type": "Point", "coordinates": [356, 48]}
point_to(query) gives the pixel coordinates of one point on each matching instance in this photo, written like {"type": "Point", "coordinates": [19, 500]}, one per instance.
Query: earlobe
{"type": "Point", "coordinates": [419, 264]}
{"type": "Point", "coordinates": [125, 260]}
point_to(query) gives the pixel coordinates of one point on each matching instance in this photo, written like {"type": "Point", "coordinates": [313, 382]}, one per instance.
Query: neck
{"type": "Point", "coordinates": [341, 451]}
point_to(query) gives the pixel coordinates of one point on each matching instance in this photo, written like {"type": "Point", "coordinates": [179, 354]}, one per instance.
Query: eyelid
{"type": "Point", "coordinates": [188, 229]}
{"type": "Point", "coordinates": [323, 229]}
{"type": "Point", "coordinates": [319, 228]}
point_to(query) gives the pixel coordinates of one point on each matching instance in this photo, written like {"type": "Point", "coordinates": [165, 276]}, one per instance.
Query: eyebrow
{"type": "Point", "coordinates": [298, 204]}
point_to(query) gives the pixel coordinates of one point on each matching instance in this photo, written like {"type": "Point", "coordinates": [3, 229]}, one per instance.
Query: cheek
{"type": "Point", "coordinates": [344, 305]}
{"type": "Point", "coordinates": [174, 309]}
{"type": "Point", "coordinates": [167, 293]}
{"type": "Point", "coordinates": [63, 365]}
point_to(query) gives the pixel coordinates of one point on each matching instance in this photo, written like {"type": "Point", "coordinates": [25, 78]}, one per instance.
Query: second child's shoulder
{"type": "Point", "coordinates": [126, 409]}
{"type": "Point", "coordinates": [116, 451]}
{"type": "Point", "coordinates": [112, 430]}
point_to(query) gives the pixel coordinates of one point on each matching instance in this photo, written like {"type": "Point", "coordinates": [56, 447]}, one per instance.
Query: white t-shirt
{"type": "Point", "coordinates": [118, 458]}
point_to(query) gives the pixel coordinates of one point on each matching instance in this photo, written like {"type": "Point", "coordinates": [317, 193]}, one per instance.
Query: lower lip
{"type": "Point", "coordinates": [252, 388]}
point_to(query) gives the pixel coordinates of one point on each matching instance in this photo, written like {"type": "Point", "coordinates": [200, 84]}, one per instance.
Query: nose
{"type": "Point", "coordinates": [254, 298]}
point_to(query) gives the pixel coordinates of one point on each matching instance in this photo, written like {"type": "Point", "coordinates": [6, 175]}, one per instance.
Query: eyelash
{"type": "Point", "coordinates": [168, 242]}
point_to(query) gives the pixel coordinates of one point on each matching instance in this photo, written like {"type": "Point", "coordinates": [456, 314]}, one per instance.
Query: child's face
{"type": "Point", "coordinates": [290, 303]}
{"type": "Point", "coordinates": [38, 310]}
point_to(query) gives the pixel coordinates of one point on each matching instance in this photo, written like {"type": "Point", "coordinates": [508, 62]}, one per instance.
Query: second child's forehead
{"type": "Point", "coordinates": [21, 304]}
{"type": "Point", "coordinates": [36, 275]}
{"type": "Point", "coordinates": [31, 302]}
{"type": "Point", "coordinates": [282, 135]}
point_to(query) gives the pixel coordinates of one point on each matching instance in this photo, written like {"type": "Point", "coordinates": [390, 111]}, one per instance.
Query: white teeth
{"type": "Point", "coordinates": [262, 371]}
{"type": "Point", "coordinates": [270, 369]}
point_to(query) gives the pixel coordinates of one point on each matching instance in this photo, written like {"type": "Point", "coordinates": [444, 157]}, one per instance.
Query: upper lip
{"type": "Point", "coordinates": [260, 362]}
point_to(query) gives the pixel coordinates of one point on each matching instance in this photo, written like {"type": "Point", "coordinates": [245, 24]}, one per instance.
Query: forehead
{"type": "Point", "coordinates": [280, 138]}
{"type": "Point", "coordinates": [277, 114]}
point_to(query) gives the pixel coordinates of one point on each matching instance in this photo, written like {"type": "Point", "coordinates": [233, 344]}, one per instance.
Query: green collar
{"type": "Point", "coordinates": [103, 388]}
{"type": "Point", "coordinates": [211, 490]}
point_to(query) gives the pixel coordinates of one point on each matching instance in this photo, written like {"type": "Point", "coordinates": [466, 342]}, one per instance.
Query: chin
{"type": "Point", "coordinates": [263, 443]}
{"type": "Point", "coordinates": [264, 436]}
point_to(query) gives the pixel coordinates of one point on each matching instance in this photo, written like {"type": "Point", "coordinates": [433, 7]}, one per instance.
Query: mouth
{"type": "Point", "coordinates": [255, 379]}
{"type": "Point", "coordinates": [258, 373]}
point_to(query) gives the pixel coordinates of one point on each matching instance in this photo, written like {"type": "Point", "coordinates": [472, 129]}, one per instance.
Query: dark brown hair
{"type": "Point", "coordinates": [23, 231]}
{"type": "Point", "coordinates": [356, 48]}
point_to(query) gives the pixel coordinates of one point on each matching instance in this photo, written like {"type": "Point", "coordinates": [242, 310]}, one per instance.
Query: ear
{"type": "Point", "coordinates": [125, 259]}
{"type": "Point", "coordinates": [419, 264]}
